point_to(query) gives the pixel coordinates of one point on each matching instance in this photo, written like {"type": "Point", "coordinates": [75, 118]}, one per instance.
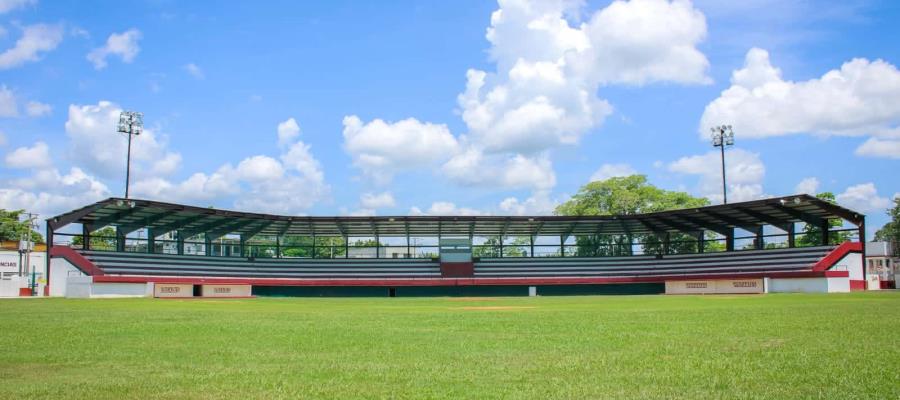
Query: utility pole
{"type": "Point", "coordinates": [723, 136]}
{"type": "Point", "coordinates": [26, 245]}
{"type": "Point", "coordinates": [132, 124]}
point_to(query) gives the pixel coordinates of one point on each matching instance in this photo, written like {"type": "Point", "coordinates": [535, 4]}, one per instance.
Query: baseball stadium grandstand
{"type": "Point", "coordinates": [130, 247]}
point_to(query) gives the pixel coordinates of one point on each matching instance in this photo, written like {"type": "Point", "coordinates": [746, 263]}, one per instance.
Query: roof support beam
{"type": "Point", "coordinates": [206, 227]}
{"type": "Point", "coordinates": [147, 222]}
{"type": "Point", "coordinates": [809, 219]}
{"type": "Point", "coordinates": [565, 236]}
{"type": "Point", "coordinates": [181, 223]}
{"type": "Point", "coordinates": [60, 221]}
{"type": "Point", "coordinates": [286, 228]}
{"type": "Point", "coordinates": [537, 231]}
{"type": "Point", "coordinates": [102, 222]}
{"type": "Point", "coordinates": [224, 229]}
{"type": "Point", "coordinates": [255, 231]}
{"type": "Point", "coordinates": [732, 221]}
{"type": "Point", "coordinates": [673, 225]}
{"type": "Point", "coordinates": [852, 217]}
{"type": "Point", "coordinates": [720, 229]}
{"type": "Point", "coordinates": [778, 223]}
{"type": "Point", "coordinates": [650, 227]}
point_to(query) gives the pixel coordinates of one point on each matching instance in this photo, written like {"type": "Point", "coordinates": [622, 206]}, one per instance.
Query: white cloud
{"type": "Point", "coordinates": [445, 208]}
{"type": "Point", "coordinates": [474, 168]}
{"type": "Point", "coordinates": [260, 168]}
{"type": "Point", "coordinates": [863, 198]}
{"type": "Point", "coordinates": [261, 183]}
{"type": "Point", "coordinates": [288, 131]}
{"type": "Point", "coordinates": [543, 93]}
{"type": "Point", "coordinates": [166, 165]}
{"type": "Point", "coordinates": [744, 171]}
{"type": "Point", "coordinates": [381, 149]}
{"type": "Point", "coordinates": [644, 41]}
{"type": "Point", "coordinates": [607, 171]}
{"type": "Point", "coordinates": [37, 109]}
{"type": "Point", "coordinates": [35, 40]}
{"type": "Point", "coordinates": [874, 147]}
{"type": "Point", "coordinates": [97, 147]}
{"type": "Point", "coordinates": [8, 104]}
{"type": "Point", "coordinates": [9, 5]}
{"type": "Point", "coordinates": [808, 186]}
{"type": "Point", "coordinates": [539, 203]}
{"type": "Point", "coordinates": [374, 201]}
{"type": "Point", "coordinates": [37, 156]}
{"type": "Point", "coordinates": [860, 98]}
{"type": "Point", "coordinates": [124, 45]}
{"type": "Point", "coordinates": [194, 71]}
{"type": "Point", "coordinates": [50, 193]}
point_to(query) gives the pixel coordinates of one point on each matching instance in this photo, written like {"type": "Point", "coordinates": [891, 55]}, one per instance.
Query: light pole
{"type": "Point", "coordinates": [132, 124]}
{"type": "Point", "coordinates": [722, 136]}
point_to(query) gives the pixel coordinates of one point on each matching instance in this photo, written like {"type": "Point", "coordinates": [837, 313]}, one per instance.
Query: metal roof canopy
{"type": "Point", "coordinates": [130, 215]}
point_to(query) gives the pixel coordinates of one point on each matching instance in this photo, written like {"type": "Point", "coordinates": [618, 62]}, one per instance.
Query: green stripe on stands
{"type": "Point", "coordinates": [610, 289]}
{"type": "Point", "coordinates": [320, 291]}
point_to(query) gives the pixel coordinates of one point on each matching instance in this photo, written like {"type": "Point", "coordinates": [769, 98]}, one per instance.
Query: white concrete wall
{"type": "Point", "coordinates": [78, 287]}
{"type": "Point", "coordinates": [9, 262]}
{"type": "Point", "coordinates": [808, 285]}
{"type": "Point", "coordinates": [10, 287]}
{"type": "Point", "coordinates": [111, 289]}
{"type": "Point", "coordinates": [60, 271]}
{"type": "Point", "coordinates": [852, 262]}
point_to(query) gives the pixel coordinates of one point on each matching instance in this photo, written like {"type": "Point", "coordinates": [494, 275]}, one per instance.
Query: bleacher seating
{"type": "Point", "coordinates": [121, 263]}
{"type": "Point", "coordinates": [746, 261]}
{"type": "Point", "coordinates": [724, 263]}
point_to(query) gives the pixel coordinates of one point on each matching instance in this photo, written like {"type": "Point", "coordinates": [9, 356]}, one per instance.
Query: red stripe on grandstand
{"type": "Point", "coordinates": [73, 257]}
{"type": "Point", "coordinates": [460, 281]}
{"type": "Point", "coordinates": [837, 254]}
{"type": "Point", "coordinates": [857, 284]}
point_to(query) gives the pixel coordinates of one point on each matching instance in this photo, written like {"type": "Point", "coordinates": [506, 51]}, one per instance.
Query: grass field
{"type": "Point", "coordinates": [774, 346]}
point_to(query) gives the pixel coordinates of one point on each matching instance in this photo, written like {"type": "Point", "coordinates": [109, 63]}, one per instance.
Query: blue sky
{"type": "Point", "coordinates": [436, 107]}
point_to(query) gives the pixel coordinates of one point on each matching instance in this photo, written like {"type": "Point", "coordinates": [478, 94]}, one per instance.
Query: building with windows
{"type": "Point", "coordinates": [883, 262]}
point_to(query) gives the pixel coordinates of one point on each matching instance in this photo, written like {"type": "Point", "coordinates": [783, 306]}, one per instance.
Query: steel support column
{"type": "Point", "coordinates": [151, 241]}
{"type": "Point", "coordinates": [179, 243]}
{"type": "Point", "coordinates": [85, 237]}
{"type": "Point", "coordinates": [120, 240]}
{"type": "Point", "coordinates": [759, 239]}
{"type": "Point", "coordinates": [825, 227]}
{"type": "Point", "coordinates": [792, 235]}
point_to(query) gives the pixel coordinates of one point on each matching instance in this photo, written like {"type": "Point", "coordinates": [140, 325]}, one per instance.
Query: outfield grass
{"type": "Point", "coordinates": [774, 346]}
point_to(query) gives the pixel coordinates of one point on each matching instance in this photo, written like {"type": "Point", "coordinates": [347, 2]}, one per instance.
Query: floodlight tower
{"type": "Point", "coordinates": [722, 136]}
{"type": "Point", "coordinates": [132, 124]}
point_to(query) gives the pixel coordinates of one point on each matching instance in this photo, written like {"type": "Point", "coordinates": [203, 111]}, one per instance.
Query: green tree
{"type": "Point", "coordinates": [890, 232]}
{"type": "Point", "coordinates": [629, 195]}
{"type": "Point", "coordinates": [812, 235]}
{"type": "Point", "coordinates": [101, 239]}
{"type": "Point", "coordinates": [11, 228]}
{"type": "Point", "coordinates": [489, 249]}
{"type": "Point", "coordinates": [302, 246]}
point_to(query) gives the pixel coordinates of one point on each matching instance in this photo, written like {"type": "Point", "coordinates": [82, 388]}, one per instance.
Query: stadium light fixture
{"type": "Point", "coordinates": [722, 136]}
{"type": "Point", "coordinates": [132, 124]}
